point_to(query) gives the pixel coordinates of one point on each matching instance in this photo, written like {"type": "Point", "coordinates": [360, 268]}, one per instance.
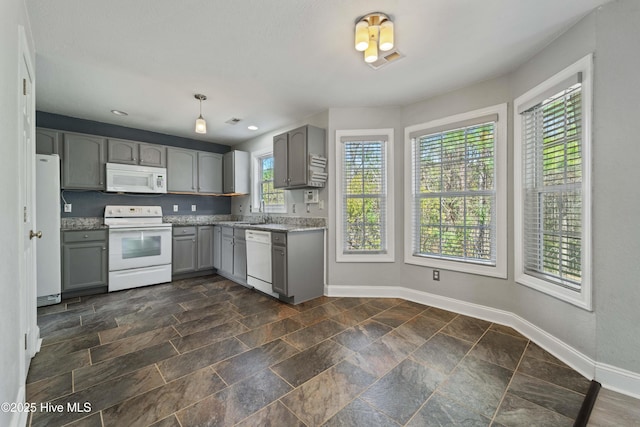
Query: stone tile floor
{"type": "Point", "coordinates": [207, 351]}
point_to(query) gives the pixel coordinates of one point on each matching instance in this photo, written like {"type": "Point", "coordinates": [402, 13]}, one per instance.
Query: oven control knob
{"type": "Point", "coordinates": [119, 210]}
{"type": "Point", "coordinates": [110, 211]}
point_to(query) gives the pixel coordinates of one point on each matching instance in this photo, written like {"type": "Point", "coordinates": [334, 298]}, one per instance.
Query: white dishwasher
{"type": "Point", "coordinates": [259, 260]}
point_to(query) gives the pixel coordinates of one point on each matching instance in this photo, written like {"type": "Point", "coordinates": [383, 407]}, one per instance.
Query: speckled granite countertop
{"type": "Point", "coordinates": [260, 222]}
{"type": "Point", "coordinates": [82, 223]}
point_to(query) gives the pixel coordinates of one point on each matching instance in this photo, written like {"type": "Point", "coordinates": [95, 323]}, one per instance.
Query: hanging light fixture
{"type": "Point", "coordinates": [201, 124]}
{"type": "Point", "coordinates": [373, 31]}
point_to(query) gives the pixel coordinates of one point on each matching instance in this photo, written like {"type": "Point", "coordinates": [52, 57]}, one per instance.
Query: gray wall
{"type": "Point", "coordinates": [616, 202]}
{"type": "Point", "coordinates": [608, 334]}
{"type": "Point", "coordinates": [12, 14]}
{"type": "Point", "coordinates": [92, 203]}
{"type": "Point", "coordinates": [240, 204]}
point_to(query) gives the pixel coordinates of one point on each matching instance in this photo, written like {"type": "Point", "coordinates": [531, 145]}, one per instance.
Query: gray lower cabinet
{"type": "Point", "coordinates": [193, 249]}
{"type": "Point", "coordinates": [297, 265]}
{"type": "Point", "coordinates": [84, 262]}
{"type": "Point", "coordinates": [83, 160]}
{"type": "Point", "coordinates": [239, 254]}
{"type": "Point", "coordinates": [217, 247]}
{"type": "Point", "coordinates": [48, 141]}
{"type": "Point", "coordinates": [205, 247]}
{"type": "Point", "coordinates": [233, 253]}
{"type": "Point", "coordinates": [226, 252]}
{"type": "Point", "coordinates": [184, 250]}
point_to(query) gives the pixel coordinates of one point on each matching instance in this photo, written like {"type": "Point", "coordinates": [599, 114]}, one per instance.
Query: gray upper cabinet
{"type": "Point", "coordinates": [83, 160]}
{"type": "Point", "coordinates": [182, 166]}
{"type": "Point", "coordinates": [136, 153]}
{"type": "Point", "coordinates": [122, 152]}
{"type": "Point", "coordinates": [209, 173]}
{"type": "Point", "coordinates": [190, 171]}
{"type": "Point", "coordinates": [280, 156]}
{"type": "Point", "coordinates": [152, 155]}
{"type": "Point", "coordinates": [48, 141]}
{"type": "Point", "coordinates": [236, 172]}
{"type": "Point", "coordinates": [292, 153]}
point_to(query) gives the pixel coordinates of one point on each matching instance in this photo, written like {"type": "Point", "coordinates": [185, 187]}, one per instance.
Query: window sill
{"type": "Point", "coordinates": [579, 299]}
{"type": "Point", "coordinates": [499, 271]}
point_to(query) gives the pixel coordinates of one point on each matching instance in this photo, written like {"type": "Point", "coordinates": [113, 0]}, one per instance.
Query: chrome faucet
{"type": "Point", "coordinates": [262, 205]}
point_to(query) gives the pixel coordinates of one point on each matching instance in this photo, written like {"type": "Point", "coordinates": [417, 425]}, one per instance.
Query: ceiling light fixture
{"type": "Point", "coordinates": [373, 31]}
{"type": "Point", "coordinates": [252, 127]}
{"type": "Point", "coordinates": [201, 124]}
{"type": "Point", "coordinates": [119, 113]}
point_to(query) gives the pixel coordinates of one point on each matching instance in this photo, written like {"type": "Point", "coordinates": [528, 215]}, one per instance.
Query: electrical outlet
{"type": "Point", "coordinates": [436, 275]}
{"type": "Point", "coordinates": [175, 208]}
{"type": "Point", "coordinates": [67, 207]}
{"type": "Point", "coordinates": [321, 204]}
{"type": "Point", "coordinates": [193, 208]}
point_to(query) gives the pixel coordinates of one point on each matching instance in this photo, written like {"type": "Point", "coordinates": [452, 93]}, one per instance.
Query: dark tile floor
{"type": "Point", "coordinates": [207, 351]}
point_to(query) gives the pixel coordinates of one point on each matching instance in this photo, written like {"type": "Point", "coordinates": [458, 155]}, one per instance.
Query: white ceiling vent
{"type": "Point", "coordinates": [233, 121]}
{"type": "Point", "coordinates": [386, 58]}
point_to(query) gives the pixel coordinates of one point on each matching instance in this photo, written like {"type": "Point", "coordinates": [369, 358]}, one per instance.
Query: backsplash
{"type": "Point", "coordinates": [195, 219]}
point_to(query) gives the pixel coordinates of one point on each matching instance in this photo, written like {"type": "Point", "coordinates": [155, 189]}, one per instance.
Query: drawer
{"type": "Point", "coordinates": [239, 233]}
{"type": "Point", "coordinates": [279, 239]}
{"type": "Point", "coordinates": [184, 231]}
{"type": "Point", "coordinates": [83, 235]}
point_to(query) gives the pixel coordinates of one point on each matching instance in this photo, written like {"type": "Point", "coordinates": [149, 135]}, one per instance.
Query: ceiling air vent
{"type": "Point", "coordinates": [386, 58]}
{"type": "Point", "coordinates": [233, 121]}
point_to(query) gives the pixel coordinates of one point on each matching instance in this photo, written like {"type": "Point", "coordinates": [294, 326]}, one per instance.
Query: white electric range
{"type": "Point", "coordinates": [139, 246]}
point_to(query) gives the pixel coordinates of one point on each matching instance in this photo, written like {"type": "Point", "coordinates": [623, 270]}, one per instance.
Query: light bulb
{"type": "Point", "coordinates": [201, 125]}
{"type": "Point", "coordinates": [371, 53]}
{"type": "Point", "coordinates": [362, 36]}
{"type": "Point", "coordinates": [386, 36]}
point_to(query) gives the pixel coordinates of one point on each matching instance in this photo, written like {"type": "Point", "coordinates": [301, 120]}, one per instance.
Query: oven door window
{"type": "Point", "coordinates": [141, 246]}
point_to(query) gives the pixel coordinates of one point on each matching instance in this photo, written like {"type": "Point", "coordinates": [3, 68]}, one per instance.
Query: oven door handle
{"type": "Point", "coordinates": [136, 229]}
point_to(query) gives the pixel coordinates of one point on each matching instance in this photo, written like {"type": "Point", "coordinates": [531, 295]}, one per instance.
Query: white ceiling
{"type": "Point", "coordinates": [269, 62]}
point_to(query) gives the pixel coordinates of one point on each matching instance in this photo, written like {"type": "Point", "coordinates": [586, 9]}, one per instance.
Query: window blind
{"type": "Point", "coordinates": [552, 188]}
{"type": "Point", "coordinates": [454, 205]}
{"type": "Point", "coordinates": [364, 194]}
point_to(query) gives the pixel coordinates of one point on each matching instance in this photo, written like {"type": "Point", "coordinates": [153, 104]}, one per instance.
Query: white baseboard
{"type": "Point", "coordinates": [610, 377]}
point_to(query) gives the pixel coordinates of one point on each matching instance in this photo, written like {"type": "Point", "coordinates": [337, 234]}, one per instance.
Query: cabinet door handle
{"type": "Point", "coordinates": [104, 249]}
{"type": "Point", "coordinates": [86, 236]}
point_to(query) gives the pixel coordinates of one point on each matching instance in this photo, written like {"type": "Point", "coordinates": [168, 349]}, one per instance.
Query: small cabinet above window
{"type": "Point", "coordinates": [136, 153]}
{"type": "Point", "coordinates": [300, 158]}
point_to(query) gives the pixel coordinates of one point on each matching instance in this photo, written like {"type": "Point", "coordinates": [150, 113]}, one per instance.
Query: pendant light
{"type": "Point", "coordinates": [201, 124]}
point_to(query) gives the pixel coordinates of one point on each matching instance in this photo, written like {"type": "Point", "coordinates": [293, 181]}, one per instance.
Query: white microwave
{"type": "Point", "coordinates": [136, 179]}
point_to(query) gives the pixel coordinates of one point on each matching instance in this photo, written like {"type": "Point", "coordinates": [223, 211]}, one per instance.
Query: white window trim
{"type": "Point", "coordinates": [583, 298]}
{"type": "Point", "coordinates": [500, 269]}
{"type": "Point", "coordinates": [255, 183]}
{"type": "Point", "coordinates": [389, 256]}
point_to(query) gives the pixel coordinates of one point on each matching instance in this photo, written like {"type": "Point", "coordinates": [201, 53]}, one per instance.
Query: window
{"type": "Point", "coordinates": [456, 197]}
{"type": "Point", "coordinates": [365, 202]}
{"type": "Point", "coordinates": [552, 152]}
{"type": "Point", "coordinates": [266, 197]}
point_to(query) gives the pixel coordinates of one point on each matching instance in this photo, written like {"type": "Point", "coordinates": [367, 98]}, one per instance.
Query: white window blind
{"type": "Point", "coordinates": [454, 197]}
{"type": "Point", "coordinates": [272, 199]}
{"type": "Point", "coordinates": [552, 202]}
{"type": "Point", "coordinates": [364, 195]}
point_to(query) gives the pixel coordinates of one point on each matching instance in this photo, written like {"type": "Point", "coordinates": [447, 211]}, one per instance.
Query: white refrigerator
{"type": "Point", "coordinates": [48, 221]}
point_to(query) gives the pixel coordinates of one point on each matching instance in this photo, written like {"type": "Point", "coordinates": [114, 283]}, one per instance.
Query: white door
{"type": "Point", "coordinates": [27, 209]}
